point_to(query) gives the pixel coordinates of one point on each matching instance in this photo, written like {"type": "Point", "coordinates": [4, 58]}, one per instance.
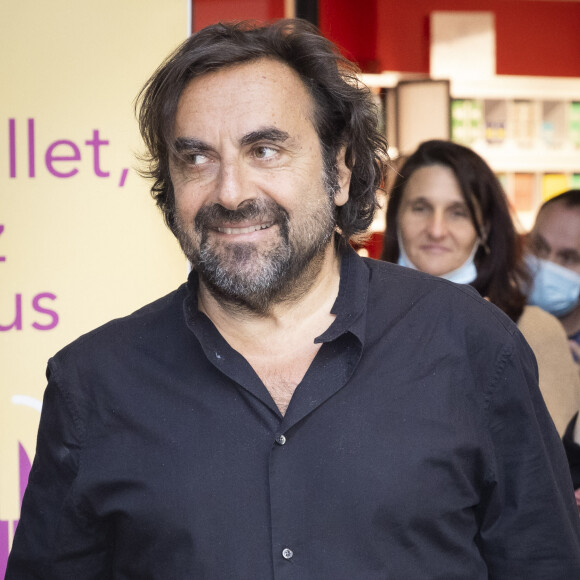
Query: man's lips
{"type": "Point", "coordinates": [244, 229]}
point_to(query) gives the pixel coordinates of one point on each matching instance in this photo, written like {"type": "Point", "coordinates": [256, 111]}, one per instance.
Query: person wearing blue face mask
{"type": "Point", "coordinates": [555, 288]}
{"type": "Point", "coordinates": [554, 243]}
{"type": "Point", "coordinates": [554, 259]}
{"type": "Point", "coordinates": [448, 216]}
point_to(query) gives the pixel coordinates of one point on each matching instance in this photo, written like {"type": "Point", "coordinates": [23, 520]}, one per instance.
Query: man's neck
{"type": "Point", "coordinates": [279, 345]}
{"type": "Point", "coordinates": [571, 322]}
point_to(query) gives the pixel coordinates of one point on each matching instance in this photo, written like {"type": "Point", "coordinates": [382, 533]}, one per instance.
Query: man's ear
{"type": "Point", "coordinates": [344, 174]}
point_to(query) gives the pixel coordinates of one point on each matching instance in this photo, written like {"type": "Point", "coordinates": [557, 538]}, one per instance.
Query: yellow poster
{"type": "Point", "coordinates": [81, 240]}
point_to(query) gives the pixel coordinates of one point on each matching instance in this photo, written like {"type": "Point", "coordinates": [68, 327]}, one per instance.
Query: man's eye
{"type": "Point", "coordinates": [197, 158]}
{"type": "Point", "coordinates": [193, 159]}
{"type": "Point", "coordinates": [570, 261]}
{"type": "Point", "coordinates": [264, 152]}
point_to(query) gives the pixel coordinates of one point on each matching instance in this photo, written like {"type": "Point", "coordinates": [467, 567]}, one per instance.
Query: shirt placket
{"type": "Point", "coordinates": [330, 372]}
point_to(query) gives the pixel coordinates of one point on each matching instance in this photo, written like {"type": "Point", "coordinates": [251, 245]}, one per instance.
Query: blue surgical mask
{"type": "Point", "coordinates": [555, 289]}
{"type": "Point", "coordinates": [465, 274]}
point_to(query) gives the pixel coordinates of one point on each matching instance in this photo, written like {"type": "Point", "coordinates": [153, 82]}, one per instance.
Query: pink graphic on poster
{"type": "Point", "coordinates": [7, 527]}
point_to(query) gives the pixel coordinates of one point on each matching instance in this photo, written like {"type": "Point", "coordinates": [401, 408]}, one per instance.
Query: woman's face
{"type": "Point", "coordinates": [434, 221]}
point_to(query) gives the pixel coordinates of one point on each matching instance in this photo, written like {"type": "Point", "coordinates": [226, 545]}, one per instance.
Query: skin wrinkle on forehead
{"type": "Point", "coordinates": [184, 144]}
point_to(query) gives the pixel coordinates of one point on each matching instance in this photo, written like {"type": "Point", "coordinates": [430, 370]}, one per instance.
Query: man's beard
{"type": "Point", "coordinates": [254, 276]}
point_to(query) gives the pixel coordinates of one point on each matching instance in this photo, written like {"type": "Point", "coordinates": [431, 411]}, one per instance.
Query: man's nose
{"type": "Point", "coordinates": [232, 187]}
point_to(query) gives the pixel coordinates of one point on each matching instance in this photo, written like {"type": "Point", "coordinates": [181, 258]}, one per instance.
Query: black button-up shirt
{"type": "Point", "coordinates": [417, 446]}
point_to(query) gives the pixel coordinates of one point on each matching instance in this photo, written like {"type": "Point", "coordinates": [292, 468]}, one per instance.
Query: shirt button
{"type": "Point", "coordinates": [287, 553]}
{"type": "Point", "coordinates": [280, 439]}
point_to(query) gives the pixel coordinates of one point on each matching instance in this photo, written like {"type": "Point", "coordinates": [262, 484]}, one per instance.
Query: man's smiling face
{"type": "Point", "coordinates": [254, 207]}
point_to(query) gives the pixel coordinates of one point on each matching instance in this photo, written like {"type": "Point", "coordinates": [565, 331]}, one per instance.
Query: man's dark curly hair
{"type": "Point", "coordinates": [344, 111]}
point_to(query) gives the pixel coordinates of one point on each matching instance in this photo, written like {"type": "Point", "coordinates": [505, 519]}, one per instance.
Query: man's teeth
{"type": "Point", "coordinates": [247, 230]}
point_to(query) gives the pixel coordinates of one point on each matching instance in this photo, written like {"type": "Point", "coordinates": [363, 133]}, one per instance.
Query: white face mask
{"type": "Point", "coordinates": [555, 289]}
{"type": "Point", "coordinates": [465, 274]}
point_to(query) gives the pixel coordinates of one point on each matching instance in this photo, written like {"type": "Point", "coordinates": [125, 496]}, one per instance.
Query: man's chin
{"type": "Point", "coordinates": [249, 293]}
{"type": "Point", "coordinates": [241, 276]}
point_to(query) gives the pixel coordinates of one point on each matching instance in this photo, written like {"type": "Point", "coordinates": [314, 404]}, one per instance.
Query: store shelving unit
{"type": "Point", "coordinates": [526, 128]}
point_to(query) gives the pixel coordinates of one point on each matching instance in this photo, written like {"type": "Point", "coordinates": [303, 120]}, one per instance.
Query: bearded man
{"type": "Point", "coordinates": [294, 411]}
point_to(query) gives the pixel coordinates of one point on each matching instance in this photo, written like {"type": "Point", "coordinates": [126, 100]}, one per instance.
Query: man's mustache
{"type": "Point", "coordinates": [216, 215]}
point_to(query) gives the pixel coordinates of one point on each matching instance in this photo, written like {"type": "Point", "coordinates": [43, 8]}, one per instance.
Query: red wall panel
{"type": "Point", "coordinates": [538, 38]}
{"type": "Point", "coordinates": [353, 27]}
{"type": "Point", "coordinates": [534, 37]}
{"type": "Point", "coordinates": [211, 11]}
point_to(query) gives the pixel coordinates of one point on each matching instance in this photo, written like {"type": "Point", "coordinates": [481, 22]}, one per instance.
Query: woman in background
{"type": "Point", "coordinates": [448, 216]}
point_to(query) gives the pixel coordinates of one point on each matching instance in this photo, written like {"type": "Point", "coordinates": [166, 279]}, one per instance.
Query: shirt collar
{"type": "Point", "coordinates": [349, 306]}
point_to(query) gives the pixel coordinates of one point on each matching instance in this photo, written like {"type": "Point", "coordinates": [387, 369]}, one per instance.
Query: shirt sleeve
{"type": "Point", "coordinates": [54, 539]}
{"type": "Point", "coordinates": [529, 524]}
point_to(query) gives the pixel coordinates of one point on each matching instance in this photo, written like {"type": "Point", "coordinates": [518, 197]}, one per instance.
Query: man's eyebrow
{"type": "Point", "coordinates": [190, 144]}
{"type": "Point", "coordinates": [268, 134]}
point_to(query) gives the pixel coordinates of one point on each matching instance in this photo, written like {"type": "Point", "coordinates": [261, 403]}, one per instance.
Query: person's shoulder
{"type": "Point", "coordinates": [405, 288]}
{"type": "Point", "coordinates": [547, 337]}
{"type": "Point", "coordinates": [535, 320]}
{"type": "Point", "coordinates": [138, 326]}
